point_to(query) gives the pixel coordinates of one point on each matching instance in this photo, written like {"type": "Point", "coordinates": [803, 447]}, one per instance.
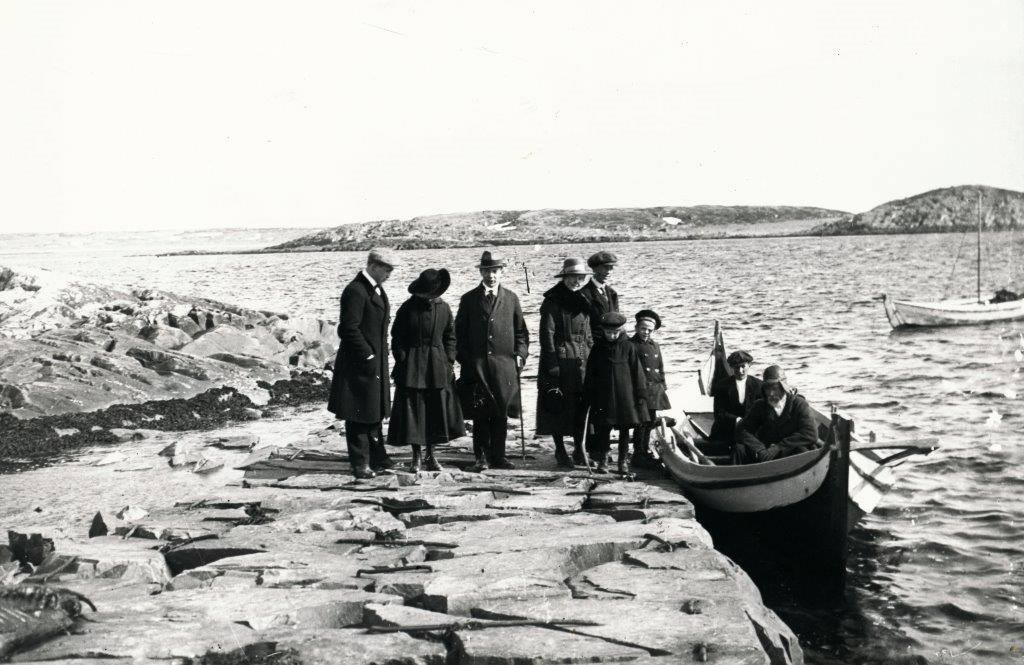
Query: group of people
{"type": "Point", "coordinates": [593, 377]}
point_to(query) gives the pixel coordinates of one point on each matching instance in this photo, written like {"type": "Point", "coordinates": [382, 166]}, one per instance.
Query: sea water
{"type": "Point", "coordinates": [936, 572]}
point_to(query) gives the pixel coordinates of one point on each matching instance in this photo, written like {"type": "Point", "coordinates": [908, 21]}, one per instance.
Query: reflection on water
{"type": "Point", "coordinates": [937, 571]}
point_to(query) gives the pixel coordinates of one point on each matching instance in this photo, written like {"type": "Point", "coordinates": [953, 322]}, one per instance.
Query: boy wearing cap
{"type": "Point", "coordinates": [647, 321]}
{"type": "Point", "coordinates": [491, 345]}
{"type": "Point", "coordinates": [360, 388]}
{"type": "Point", "coordinates": [778, 424]}
{"type": "Point", "coordinates": [734, 396]}
{"type": "Point", "coordinates": [615, 389]}
{"type": "Point", "coordinates": [598, 292]}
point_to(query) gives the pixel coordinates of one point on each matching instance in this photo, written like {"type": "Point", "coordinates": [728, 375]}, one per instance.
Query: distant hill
{"type": "Point", "coordinates": [938, 211]}
{"type": "Point", "coordinates": [516, 227]}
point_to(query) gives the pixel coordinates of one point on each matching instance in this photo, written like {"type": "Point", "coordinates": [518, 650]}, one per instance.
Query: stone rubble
{"type": "Point", "coordinates": [270, 559]}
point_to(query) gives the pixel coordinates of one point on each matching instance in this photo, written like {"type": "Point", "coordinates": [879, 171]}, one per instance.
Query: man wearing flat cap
{"type": "Point", "coordinates": [361, 387]}
{"type": "Point", "coordinates": [779, 423]}
{"type": "Point", "coordinates": [598, 292]}
{"type": "Point", "coordinates": [491, 345]}
{"type": "Point", "coordinates": [734, 395]}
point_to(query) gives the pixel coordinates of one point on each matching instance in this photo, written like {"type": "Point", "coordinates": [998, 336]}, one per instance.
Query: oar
{"type": "Point", "coordinates": [923, 445]}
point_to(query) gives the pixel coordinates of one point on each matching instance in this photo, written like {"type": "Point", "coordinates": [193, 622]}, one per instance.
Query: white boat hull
{"type": "Point", "coordinates": [965, 312]}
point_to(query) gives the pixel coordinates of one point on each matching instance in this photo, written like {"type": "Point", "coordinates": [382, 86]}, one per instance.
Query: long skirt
{"type": "Point", "coordinates": [421, 416]}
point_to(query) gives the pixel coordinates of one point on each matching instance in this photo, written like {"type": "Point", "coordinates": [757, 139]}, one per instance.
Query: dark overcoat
{"type": "Point", "coordinates": [423, 343]}
{"type": "Point", "coordinates": [565, 343]}
{"type": "Point", "coordinates": [360, 388]}
{"type": "Point", "coordinates": [425, 410]}
{"type": "Point", "coordinates": [615, 386]}
{"type": "Point", "coordinates": [654, 372]}
{"type": "Point", "coordinates": [728, 406]}
{"type": "Point", "coordinates": [794, 430]}
{"type": "Point", "coordinates": [487, 341]}
{"type": "Point", "coordinates": [599, 304]}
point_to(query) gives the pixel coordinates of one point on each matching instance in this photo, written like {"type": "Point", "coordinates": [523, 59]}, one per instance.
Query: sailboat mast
{"type": "Point", "coordinates": [979, 247]}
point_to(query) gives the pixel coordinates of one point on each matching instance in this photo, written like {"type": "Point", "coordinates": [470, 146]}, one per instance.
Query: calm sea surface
{"type": "Point", "coordinates": [937, 571]}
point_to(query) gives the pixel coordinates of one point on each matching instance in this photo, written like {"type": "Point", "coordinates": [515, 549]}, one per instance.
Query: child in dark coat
{"type": "Point", "coordinates": [615, 389]}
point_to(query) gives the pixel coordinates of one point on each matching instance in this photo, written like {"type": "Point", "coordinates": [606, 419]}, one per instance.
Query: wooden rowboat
{"type": "Point", "coordinates": [963, 312]}
{"type": "Point", "coordinates": [820, 494]}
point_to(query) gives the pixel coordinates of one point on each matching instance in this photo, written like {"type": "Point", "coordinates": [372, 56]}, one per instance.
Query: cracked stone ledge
{"type": "Point", "coordinates": [271, 560]}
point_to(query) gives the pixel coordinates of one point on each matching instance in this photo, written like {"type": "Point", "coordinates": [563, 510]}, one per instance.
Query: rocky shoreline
{"type": "Point", "coordinates": [204, 506]}
{"type": "Point", "coordinates": [252, 544]}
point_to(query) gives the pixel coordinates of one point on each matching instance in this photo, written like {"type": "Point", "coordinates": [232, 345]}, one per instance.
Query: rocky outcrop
{"type": "Point", "coordinates": [521, 566]}
{"type": "Point", "coordinates": [72, 347]}
{"type": "Point", "coordinates": [517, 227]}
{"type": "Point", "coordinates": [939, 211]}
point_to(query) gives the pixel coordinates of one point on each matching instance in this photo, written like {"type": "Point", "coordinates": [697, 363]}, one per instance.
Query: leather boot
{"type": "Point", "coordinates": [562, 457]}
{"type": "Point", "coordinates": [577, 455]}
{"type": "Point", "coordinates": [416, 464]}
{"type": "Point", "coordinates": [429, 463]}
{"type": "Point", "coordinates": [623, 455]}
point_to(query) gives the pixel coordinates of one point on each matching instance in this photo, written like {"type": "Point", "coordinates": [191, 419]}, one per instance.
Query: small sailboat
{"type": "Point", "coordinates": [959, 312]}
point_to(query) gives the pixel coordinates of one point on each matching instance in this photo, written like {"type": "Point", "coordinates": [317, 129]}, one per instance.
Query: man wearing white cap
{"type": "Point", "coordinates": [361, 387]}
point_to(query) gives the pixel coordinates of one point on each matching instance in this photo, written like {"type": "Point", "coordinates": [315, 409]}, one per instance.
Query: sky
{"type": "Point", "coordinates": [135, 114]}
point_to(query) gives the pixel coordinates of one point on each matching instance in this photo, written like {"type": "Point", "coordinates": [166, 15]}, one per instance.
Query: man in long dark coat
{"type": "Point", "coordinates": [491, 345]}
{"type": "Point", "coordinates": [361, 387]}
{"type": "Point", "coordinates": [598, 291]}
{"type": "Point", "coordinates": [779, 423]}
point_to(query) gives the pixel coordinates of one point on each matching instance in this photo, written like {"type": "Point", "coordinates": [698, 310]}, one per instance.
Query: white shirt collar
{"type": "Point", "coordinates": [781, 407]}
{"type": "Point", "coordinates": [488, 289]}
{"type": "Point", "coordinates": [372, 281]}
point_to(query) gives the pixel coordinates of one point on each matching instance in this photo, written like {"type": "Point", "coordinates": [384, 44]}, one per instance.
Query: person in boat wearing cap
{"type": "Point", "coordinates": [425, 411]}
{"type": "Point", "coordinates": [360, 389]}
{"type": "Point", "coordinates": [734, 396]}
{"type": "Point", "coordinates": [598, 292]}
{"type": "Point", "coordinates": [780, 423]}
{"type": "Point", "coordinates": [614, 389]}
{"type": "Point", "coordinates": [491, 345]}
{"type": "Point", "coordinates": [565, 343]}
{"type": "Point", "coordinates": [647, 321]}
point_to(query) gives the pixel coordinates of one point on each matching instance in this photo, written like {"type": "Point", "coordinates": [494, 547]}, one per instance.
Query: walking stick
{"type": "Point", "coordinates": [522, 427]}
{"type": "Point", "coordinates": [583, 442]}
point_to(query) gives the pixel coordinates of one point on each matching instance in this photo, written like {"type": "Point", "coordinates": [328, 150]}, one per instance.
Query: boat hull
{"type": "Point", "coordinates": [747, 488]}
{"type": "Point", "coordinates": [904, 313]}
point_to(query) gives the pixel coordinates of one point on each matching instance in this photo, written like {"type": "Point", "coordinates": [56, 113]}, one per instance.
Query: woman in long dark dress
{"type": "Point", "coordinates": [565, 342]}
{"type": "Point", "coordinates": [425, 410]}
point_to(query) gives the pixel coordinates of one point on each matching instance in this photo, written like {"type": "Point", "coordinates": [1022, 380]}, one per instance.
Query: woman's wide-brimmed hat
{"type": "Point", "coordinates": [491, 259]}
{"type": "Point", "coordinates": [741, 358]}
{"type": "Point", "coordinates": [574, 266]}
{"type": "Point", "coordinates": [554, 400]}
{"type": "Point", "coordinates": [434, 282]}
{"type": "Point", "coordinates": [650, 315]}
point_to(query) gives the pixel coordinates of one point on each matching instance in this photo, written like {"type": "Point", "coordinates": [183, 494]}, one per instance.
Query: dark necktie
{"type": "Point", "coordinates": [490, 298]}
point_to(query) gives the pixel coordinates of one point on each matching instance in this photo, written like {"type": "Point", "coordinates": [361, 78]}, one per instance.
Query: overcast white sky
{"type": "Point", "coordinates": [141, 114]}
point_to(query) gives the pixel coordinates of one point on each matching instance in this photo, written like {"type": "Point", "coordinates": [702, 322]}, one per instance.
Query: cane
{"type": "Point", "coordinates": [522, 427]}
{"type": "Point", "coordinates": [583, 442]}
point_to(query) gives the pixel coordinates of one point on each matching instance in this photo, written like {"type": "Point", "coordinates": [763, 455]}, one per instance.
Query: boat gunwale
{"type": "Point", "coordinates": [758, 477]}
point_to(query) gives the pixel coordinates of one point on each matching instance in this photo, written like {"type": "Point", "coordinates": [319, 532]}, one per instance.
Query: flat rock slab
{"type": "Point", "coordinates": [113, 557]}
{"type": "Point", "coordinates": [356, 647]}
{"type": "Point", "coordinates": [445, 516]}
{"type": "Point", "coordinates": [528, 645]}
{"type": "Point", "coordinates": [551, 501]}
{"type": "Point", "coordinates": [658, 629]}
{"type": "Point", "coordinates": [138, 636]}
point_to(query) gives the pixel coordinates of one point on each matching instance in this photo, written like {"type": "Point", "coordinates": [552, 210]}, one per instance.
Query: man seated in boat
{"type": "Point", "coordinates": [1006, 295]}
{"type": "Point", "coordinates": [734, 396]}
{"type": "Point", "coordinates": [778, 424]}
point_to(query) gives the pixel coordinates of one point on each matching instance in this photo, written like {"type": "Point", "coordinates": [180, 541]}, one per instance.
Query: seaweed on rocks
{"type": "Point", "coordinates": [300, 388]}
